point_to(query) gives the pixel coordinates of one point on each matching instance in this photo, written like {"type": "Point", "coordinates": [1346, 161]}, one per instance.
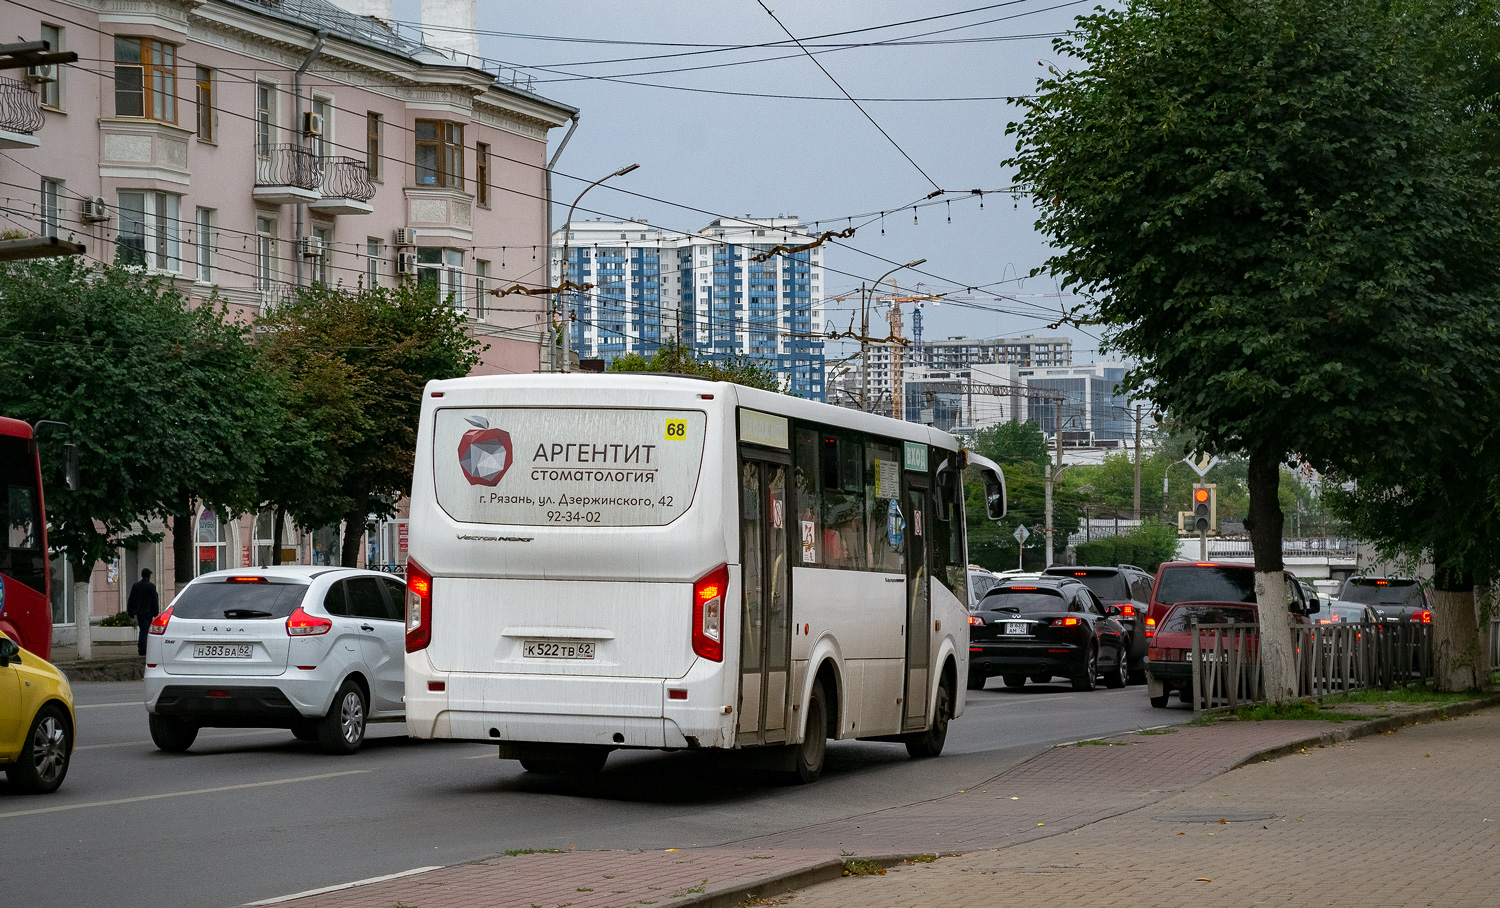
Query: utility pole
{"type": "Point", "coordinates": [1137, 509]}
{"type": "Point", "coordinates": [1053, 473]}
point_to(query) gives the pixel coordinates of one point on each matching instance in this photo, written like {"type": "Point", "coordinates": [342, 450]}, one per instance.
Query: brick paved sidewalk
{"type": "Point", "coordinates": [1061, 788]}
{"type": "Point", "coordinates": [1408, 819]}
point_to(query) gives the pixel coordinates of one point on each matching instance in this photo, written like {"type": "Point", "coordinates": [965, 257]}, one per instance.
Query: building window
{"type": "Point", "coordinates": [442, 269]}
{"type": "Point", "coordinates": [265, 118]}
{"type": "Point", "coordinates": [206, 241]}
{"type": "Point", "coordinates": [205, 103]}
{"type": "Point", "coordinates": [52, 207]}
{"type": "Point", "coordinates": [52, 90]}
{"type": "Point", "coordinates": [482, 174]}
{"type": "Point", "coordinates": [440, 154]}
{"type": "Point", "coordinates": [211, 546]}
{"type": "Point", "coordinates": [481, 285]}
{"type": "Point", "coordinates": [145, 79]}
{"type": "Point", "coordinates": [372, 261]}
{"type": "Point", "coordinates": [374, 130]}
{"type": "Point", "coordinates": [323, 264]}
{"type": "Point", "coordinates": [148, 234]}
{"type": "Point", "coordinates": [265, 253]}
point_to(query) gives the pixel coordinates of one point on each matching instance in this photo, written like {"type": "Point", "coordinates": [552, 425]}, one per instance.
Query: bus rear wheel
{"type": "Point", "coordinates": [929, 743]}
{"type": "Point", "coordinates": [807, 756]}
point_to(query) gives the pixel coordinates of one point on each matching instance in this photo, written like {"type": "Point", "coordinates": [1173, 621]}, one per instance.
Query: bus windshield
{"type": "Point", "coordinates": [21, 554]}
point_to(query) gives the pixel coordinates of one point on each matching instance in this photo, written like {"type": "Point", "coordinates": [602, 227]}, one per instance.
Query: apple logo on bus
{"type": "Point", "coordinates": [484, 453]}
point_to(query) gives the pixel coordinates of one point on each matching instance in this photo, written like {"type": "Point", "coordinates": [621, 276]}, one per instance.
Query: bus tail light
{"type": "Point", "coordinates": [418, 607]}
{"type": "Point", "coordinates": [159, 623]}
{"type": "Point", "coordinates": [301, 624]}
{"type": "Point", "coordinates": [708, 613]}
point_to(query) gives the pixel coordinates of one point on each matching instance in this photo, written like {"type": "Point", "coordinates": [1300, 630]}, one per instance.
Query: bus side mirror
{"type": "Point", "coordinates": [70, 466]}
{"type": "Point", "coordinates": [994, 494]}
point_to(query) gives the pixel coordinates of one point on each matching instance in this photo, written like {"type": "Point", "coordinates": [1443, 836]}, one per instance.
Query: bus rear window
{"type": "Point", "coordinates": [576, 467]}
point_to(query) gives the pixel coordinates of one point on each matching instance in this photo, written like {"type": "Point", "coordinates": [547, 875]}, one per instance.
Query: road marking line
{"type": "Point", "coordinates": [1033, 699]}
{"type": "Point", "coordinates": [373, 879]}
{"type": "Point", "coordinates": [140, 703]}
{"type": "Point", "coordinates": [180, 794]}
{"type": "Point", "coordinates": [236, 734]}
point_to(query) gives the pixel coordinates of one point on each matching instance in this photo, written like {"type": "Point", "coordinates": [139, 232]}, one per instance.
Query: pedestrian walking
{"type": "Point", "coordinates": [142, 605]}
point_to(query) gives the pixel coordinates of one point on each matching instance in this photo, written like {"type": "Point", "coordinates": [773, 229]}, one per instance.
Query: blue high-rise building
{"type": "Point", "coordinates": [706, 289]}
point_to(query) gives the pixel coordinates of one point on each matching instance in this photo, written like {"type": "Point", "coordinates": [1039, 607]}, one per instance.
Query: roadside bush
{"type": "Point", "coordinates": [118, 619]}
{"type": "Point", "coordinates": [1147, 547]}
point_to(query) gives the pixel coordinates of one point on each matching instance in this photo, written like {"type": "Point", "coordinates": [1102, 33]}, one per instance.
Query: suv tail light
{"type": "Point", "coordinates": [709, 593]}
{"type": "Point", "coordinates": [1150, 627]}
{"type": "Point", "coordinates": [301, 624]}
{"type": "Point", "coordinates": [1423, 616]}
{"type": "Point", "coordinates": [976, 621]}
{"type": "Point", "coordinates": [1065, 622]}
{"type": "Point", "coordinates": [1127, 611]}
{"type": "Point", "coordinates": [159, 623]}
{"type": "Point", "coordinates": [418, 607]}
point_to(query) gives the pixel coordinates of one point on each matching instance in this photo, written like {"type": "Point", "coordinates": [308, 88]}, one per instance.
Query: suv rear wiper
{"type": "Point", "coordinates": [245, 613]}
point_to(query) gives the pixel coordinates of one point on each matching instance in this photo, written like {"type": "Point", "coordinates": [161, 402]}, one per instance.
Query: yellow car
{"type": "Point", "coordinates": [36, 720]}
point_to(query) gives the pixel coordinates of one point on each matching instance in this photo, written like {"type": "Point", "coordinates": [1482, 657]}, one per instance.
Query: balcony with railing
{"type": "Point", "coordinates": [20, 115]}
{"type": "Point", "coordinates": [346, 187]}
{"type": "Point", "coordinates": [287, 174]}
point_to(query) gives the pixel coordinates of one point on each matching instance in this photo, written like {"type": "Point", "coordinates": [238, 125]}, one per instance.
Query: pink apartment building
{"type": "Point", "coordinates": [248, 147]}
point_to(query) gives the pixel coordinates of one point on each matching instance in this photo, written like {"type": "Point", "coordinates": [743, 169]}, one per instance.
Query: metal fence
{"type": "Point", "coordinates": [347, 178]}
{"type": "Point", "coordinates": [1330, 659]}
{"type": "Point", "coordinates": [1495, 644]}
{"type": "Point", "coordinates": [288, 165]}
{"type": "Point", "coordinates": [20, 107]}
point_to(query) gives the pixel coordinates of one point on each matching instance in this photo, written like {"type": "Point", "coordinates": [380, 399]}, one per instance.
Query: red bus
{"type": "Point", "coordinates": [25, 585]}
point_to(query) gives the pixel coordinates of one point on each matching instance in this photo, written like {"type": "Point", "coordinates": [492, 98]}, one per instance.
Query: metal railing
{"type": "Point", "coordinates": [347, 178]}
{"type": "Point", "coordinates": [1330, 659]}
{"type": "Point", "coordinates": [1495, 644]}
{"type": "Point", "coordinates": [20, 107]}
{"type": "Point", "coordinates": [288, 165]}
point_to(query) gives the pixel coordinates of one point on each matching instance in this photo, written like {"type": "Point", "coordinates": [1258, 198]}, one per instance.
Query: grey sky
{"type": "Point", "coordinates": [821, 160]}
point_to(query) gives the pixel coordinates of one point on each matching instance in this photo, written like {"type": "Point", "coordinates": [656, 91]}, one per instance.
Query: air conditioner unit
{"type": "Point", "coordinates": [406, 263]}
{"type": "Point", "coordinates": [95, 209]}
{"type": "Point", "coordinates": [406, 236]}
{"type": "Point", "coordinates": [46, 72]}
{"type": "Point", "coordinates": [312, 124]}
{"type": "Point", "coordinates": [311, 247]}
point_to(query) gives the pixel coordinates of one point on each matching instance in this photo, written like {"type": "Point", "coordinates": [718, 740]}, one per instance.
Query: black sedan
{"type": "Point", "coordinates": [1045, 626]}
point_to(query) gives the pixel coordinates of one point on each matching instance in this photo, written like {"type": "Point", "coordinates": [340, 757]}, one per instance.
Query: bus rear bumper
{"type": "Point", "coordinates": [613, 712]}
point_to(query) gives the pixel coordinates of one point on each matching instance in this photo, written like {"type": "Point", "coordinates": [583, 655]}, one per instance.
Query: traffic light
{"type": "Point", "coordinates": [1205, 515]}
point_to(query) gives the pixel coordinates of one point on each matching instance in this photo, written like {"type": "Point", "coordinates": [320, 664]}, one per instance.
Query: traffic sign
{"type": "Point", "coordinates": [1021, 534]}
{"type": "Point", "coordinates": [1201, 463]}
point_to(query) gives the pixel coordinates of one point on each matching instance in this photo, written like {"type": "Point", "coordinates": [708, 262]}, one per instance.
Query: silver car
{"type": "Point", "coordinates": [318, 650]}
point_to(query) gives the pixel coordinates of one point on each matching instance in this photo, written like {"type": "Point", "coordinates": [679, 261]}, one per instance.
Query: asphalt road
{"type": "Point", "coordinates": [253, 814]}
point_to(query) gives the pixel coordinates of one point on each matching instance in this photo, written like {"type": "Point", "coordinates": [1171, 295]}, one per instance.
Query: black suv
{"type": "Point", "coordinates": [1124, 585]}
{"type": "Point", "coordinates": [1046, 626]}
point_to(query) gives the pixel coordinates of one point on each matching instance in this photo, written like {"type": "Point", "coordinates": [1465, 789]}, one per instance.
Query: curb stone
{"type": "Point", "coordinates": [826, 871]}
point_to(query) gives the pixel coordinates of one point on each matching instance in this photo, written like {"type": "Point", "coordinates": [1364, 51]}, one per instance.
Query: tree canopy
{"type": "Point", "coordinates": [676, 357]}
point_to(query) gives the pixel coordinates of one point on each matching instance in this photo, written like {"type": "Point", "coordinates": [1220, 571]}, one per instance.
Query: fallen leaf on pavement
{"type": "Point", "coordinates": [1203, 879]}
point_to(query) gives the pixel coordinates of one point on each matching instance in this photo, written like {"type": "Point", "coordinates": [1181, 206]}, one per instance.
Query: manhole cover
{"type": "Point", "coordinates": [1240, 816]}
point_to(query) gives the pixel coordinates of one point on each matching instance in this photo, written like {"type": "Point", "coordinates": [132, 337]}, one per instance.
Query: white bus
{"type": "Point", "coordinates": [647, 561]}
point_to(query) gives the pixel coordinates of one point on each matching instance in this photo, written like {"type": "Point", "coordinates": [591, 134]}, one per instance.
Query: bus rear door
{"type": "Point", "coordinates": [765, 637]}
{"type": "Point", "coordinates": [918, 606]}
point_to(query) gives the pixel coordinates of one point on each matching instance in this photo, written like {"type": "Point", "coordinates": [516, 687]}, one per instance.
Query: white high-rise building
{"type": "Point", "coordinates": [650, 285]}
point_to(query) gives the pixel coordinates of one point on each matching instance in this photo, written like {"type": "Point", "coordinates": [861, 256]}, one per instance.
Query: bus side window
{"type": "Point", "coordinates": [842, 500]}
{"type": "Point", "coordinates": [805, 475]}
{"type": "Point", "coordinates": [884, 517]}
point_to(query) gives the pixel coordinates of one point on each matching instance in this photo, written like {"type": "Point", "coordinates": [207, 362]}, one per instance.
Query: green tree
{"type": "Point", "coordinates": [1265, 206]}
{"type": "Point", "coordinates": [371, 352]}
{"type": "Point", "coordinates": [1146, 546]}
{"type": "Point", "coordinates": [161, 397]}
{"type": "Point", "coordinates": [1013, 442]}
{"type": "Point", "coordinates": [675, 357]}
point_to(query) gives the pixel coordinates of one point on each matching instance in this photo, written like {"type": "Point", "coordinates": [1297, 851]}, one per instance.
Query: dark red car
{"type": "Point", "coordinates": [1169, 660]}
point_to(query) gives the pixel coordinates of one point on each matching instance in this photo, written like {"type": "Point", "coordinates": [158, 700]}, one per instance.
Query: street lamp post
{"type": "Point", "coordinates": [562, 268]}
{"type": "Point", "coordinates": [864, 335]}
